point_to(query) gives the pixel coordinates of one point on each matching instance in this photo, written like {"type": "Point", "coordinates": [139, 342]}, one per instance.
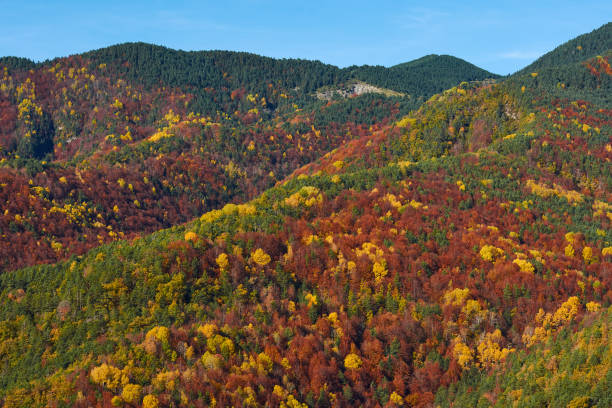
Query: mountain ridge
{"type": "Point", "coordinates": [151, 46]}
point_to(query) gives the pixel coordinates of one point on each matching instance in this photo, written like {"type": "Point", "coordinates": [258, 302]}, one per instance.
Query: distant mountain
{"type": "Point", "coordinates": [579, 49]}
{"type": "Point", "coordinates": [424, 76]}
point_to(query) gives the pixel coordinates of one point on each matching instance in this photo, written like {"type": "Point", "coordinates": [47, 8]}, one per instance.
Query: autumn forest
{"type": "Point", "coordinates": [215, 228]}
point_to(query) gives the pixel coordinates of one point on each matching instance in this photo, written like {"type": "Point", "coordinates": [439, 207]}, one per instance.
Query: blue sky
{"type": "Point", "coordinates": [499, 36]}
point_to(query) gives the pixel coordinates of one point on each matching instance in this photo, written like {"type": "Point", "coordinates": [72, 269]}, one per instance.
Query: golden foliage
{"type": "Point", "coordinates": [228, 210]}
{"type": "Point", "coordinates": [593, 306]}
{"type": "Point", "coordinates": [570, 237]}
{"type": "Point", "coordinates": [150, 401]}
{"type": "Point", "coordinates": [490, 253]}
{"type": "Point", "coordinates": [291, 402]}
{"type": "Point", "coordinates": [489, 351]}
{"type": "Point", "coordinates": [566, 311]}
{"type": "Point", "coordinates": [160, 333]}
{"type": "Point", "coordinates": [208, 329]}
{"type": "Point", "coordinates": [191, 236]}
{"type": "Point", "coordinates": [392, 199]}
{"type": "Point", "coordinates": [264, 363]}
{"type": "Point", "coordinates": [374, 253]}
{"type": "Point", "coordinates": [108, 376]}
{"type": "Point", "coordinates": [131, 393]}
{"type": "Point", "coordinates": [307, 240]}
{"type": "Point", "coordinates": [601, 207]}
{"type": "Point", "coordinates": [117, 104]}
{"type": "Point", "coordinates": [307, 195]}
{"type": "Point", "coordinates": [222, 261]}
{"type": "Point", "coordinates": [549, 322]}
{"type": "Point", "coordinates": [471, 307]}
{"type": "Point", "coordinates": [352, 361]}
{"type": "Point", "coordinates": [525, 266]}
{"type": "Point", "coordinates": [587, 254]}
{"type": "Point", "coordinates": [580, 402]}
{"type": "Point", "coordinates": [456, 296]}
{"type": "Point", "coordinates": [380, 271]}
{"type": "Point", "coordinates": [333, 318]}
{"type": "Point", "coordinates": [260, 257]}
{"type": "Point", "coordinates": [210, 361]}
{"type": "Point", "coordinates": [463, 354]}
{"type": "Point", "coordinates": [165, 380]}
{"type": "Point", "coordinates": [312, 299]}
{"type": "Point", "coordinates": [405, 122]}
{"type": "Point", "coordinates": [543, 191]}
{"type": "Point", "coordinates": [396, 399]}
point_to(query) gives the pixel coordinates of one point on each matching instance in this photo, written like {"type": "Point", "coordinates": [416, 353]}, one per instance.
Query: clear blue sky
{"type": "Point", "coordinates": [499, 36]}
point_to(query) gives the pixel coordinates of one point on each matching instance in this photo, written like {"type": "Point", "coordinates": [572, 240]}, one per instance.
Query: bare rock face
{"type": "Point", "coordinates": [362, 88]}
{"type": "Point", "coordinates": [354, 89]}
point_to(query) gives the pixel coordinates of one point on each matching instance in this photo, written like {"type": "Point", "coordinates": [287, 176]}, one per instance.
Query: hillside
{"type": "Point", "coordinates": [459, 254]}
{"type": "Point", "coordinates": [132, 138]}
{"type": "Point", "coordinates": [567, 369]}
{"type": "Point", "coordinates": [471, 116]}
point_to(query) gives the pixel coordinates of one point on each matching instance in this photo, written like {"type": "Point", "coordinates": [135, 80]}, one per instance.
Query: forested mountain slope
{"type": "Point", "coordinates": [446, 257]}
{"type": "Point", "coordinates": [567, 369]}
{"type": "Point", "coordinates": [422, 77]}
{"type": "Point", "coordinates": [579, 49]}
{"type": "Point", "coordinates": [133, 138]}
{"type": "Point", "coordinates": [473, 115]}
{"type": "Point", "coordinates": [151, 64]}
